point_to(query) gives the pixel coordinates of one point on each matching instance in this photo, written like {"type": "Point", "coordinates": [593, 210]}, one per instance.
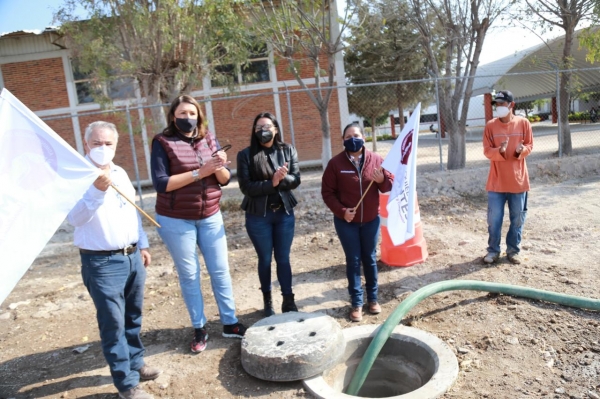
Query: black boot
{"type": "Point", "coordinates": [288, 304]}
{"type": "Point", "coordinates": [268, 301]}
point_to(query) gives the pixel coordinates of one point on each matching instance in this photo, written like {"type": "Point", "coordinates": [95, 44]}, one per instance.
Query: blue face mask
{"type": "Point", "coordinates": [354, 144]}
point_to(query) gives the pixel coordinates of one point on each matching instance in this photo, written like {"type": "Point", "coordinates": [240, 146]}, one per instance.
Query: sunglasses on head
{"type": "Point", "coordinates": [224, 148]}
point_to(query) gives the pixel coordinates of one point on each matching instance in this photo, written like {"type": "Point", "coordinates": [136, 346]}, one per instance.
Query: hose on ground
{"type": "Point", "coordinates": [452, 285]}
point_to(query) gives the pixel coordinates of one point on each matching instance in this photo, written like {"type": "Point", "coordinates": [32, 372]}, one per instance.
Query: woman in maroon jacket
{"type": "Point", "coordinates": [345, 180]}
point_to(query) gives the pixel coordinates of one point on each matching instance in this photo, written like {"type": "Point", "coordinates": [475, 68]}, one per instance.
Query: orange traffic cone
{"type": "Point", "coordinates": [410, 253]}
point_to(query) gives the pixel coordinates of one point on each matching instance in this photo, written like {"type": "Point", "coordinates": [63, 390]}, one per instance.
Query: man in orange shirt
{"type": "Point", "coordinates": [507, 141]}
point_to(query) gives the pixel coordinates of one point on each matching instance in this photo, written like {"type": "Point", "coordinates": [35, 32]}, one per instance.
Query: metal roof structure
{"type": "Point", "coordinates": [531, 74]}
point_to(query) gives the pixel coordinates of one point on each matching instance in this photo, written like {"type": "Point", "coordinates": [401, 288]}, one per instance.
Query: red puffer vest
{"type": "Point", "coordinates": [197, 200]}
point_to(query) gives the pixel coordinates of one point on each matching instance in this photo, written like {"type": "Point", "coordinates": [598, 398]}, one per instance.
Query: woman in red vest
{"type": "Point", "coordinates": [188, 171]}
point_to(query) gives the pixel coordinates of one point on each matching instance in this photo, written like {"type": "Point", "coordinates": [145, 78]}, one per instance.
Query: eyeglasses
{"type": "Point", "coordinates": [224, 148]}
{"type": "Point", "coordinates": [263, 127]}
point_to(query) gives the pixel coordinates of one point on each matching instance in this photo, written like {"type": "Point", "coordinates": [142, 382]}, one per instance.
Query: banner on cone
{"type": "Point", "coordinates": [41, 178]}
{"type": "Point", "coordinates": [402, 162]}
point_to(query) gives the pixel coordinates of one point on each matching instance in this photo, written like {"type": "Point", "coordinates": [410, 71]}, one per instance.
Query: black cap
{"type": "Point", "coordinates": [503, 95]}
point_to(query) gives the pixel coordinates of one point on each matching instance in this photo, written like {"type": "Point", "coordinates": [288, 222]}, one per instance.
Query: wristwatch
{"type": "Point", "coordinates": [195, 174]}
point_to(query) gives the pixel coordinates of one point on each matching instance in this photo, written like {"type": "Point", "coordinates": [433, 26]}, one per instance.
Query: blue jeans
{"type": "Point", "coordinates": [359, 241]}
{"type": "Point", "coordinates": [517, 209]}
{"type": "Point", "coordinates": [116, 285]}
{"type": "Point", "coordinates": [181, 236]}
{"type": "Point", "coordinates": [270, 234]}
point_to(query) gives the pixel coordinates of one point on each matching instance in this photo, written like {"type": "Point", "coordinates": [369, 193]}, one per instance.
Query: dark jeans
{"type": "Point", "coordinates": [517, 209]}
{"type": "Point", "coordinates": [359, 241]}
{"type": "Point", "coordinates": [270, 234]}
{"type": "Point", "coordinates": [116, 285]}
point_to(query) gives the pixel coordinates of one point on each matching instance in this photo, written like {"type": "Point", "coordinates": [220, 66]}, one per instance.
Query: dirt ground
{"type": "Point", "coordinates": [507, 347]}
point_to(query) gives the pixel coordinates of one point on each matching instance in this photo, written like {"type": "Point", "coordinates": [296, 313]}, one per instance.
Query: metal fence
{"type": "Point", "coordinates": [379, 104]}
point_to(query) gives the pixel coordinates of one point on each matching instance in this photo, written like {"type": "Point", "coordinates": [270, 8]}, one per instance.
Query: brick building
{"type": "Point", "coordinates": [37, 69]}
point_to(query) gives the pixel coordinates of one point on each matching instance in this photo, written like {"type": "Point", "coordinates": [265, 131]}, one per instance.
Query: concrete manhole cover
{"type": "Point", "coordinates": [292, 346]}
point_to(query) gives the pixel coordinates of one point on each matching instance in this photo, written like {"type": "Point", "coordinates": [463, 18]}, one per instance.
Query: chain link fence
{"type": "Point", "coordinates": [539, 100]}
{"type": "Point", "coordinates": [382, 108]}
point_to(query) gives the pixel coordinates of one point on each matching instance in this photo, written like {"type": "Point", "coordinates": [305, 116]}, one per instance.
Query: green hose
{"type": "Point", "coordinates": [470, 285]}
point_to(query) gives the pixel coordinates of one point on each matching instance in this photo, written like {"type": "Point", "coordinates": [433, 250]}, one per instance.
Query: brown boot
{"type": "Point", "coordinates": [149, 373]}
{"type": "Point", "coordinates": [135, 393]}
{"type": "Point", "coordinates": [356, 314]}
{"type": "Point", "coordinates": [374, 307]}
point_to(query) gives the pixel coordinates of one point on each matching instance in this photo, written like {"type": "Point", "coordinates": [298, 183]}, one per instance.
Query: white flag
{"type": "Point", "coordinates": [41, 179]}
{"type": "Point", "coordinates": [402, 162]}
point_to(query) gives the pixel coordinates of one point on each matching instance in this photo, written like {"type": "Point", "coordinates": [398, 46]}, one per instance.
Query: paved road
{"type": "Point", "coordinates": [585, 138]}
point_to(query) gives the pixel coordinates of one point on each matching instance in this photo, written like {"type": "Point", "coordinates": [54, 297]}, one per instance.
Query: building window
{"type": "Point", "coordinates": [90, 90]}
{"type": "Point", "coordinates": [255, 70]}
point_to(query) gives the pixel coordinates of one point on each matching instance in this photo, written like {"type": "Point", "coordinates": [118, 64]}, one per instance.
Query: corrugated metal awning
{"type": "Point", "coordinates": [530, 74]}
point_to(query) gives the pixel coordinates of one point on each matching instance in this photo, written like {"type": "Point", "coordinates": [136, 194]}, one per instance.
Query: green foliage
{"type": "Point", "coordinates": [380, 137]}
{"type": "Point", "coordinates": [534, 118]}
{"type": "Point", "coordinates": [579, 116]}
{"type": "Point", "coordinates": [371, 102]}
{"type": "Point", "coordinates": [592, 96]}
{"type": "Point", "coordinates": [384, 47]}
{"type": "Point", "coordinates": [526, 106]}
{"type": "Point", "coordinates": [590, 39]}
{"type": "Point", "coordinates": [301, 32]}
{"type": "Point", "coordinates": [167, 45]}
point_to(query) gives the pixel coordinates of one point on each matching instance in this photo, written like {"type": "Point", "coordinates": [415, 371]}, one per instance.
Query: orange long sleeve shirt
{"type": "Point", "coordinates": [508, 170]}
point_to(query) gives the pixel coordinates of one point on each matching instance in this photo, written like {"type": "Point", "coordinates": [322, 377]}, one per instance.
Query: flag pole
{"type": "Point", "coordinates": [365, 193]}
{"type": "Point", "coordinates": [137, 207]}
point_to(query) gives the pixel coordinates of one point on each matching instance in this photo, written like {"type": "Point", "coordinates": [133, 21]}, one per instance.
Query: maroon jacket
{"type": "Point", "coordinates": [197, 200]}
{"type": "Point", "coordinates": [342, 187]}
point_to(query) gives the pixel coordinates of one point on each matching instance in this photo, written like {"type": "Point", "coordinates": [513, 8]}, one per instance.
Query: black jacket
{"type": "Point", "coordinates": [256, 192]}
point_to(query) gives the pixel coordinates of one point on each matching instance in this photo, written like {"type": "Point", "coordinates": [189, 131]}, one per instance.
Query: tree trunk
{"type": "Point", "coordinates": [456, 140]}
{"type": "Point", "coordinates": [151, 90]}
{"type": "Point", "coordinates": [565, 85]}
{"type": "Point", "coordinates": [567, 145]}
{"type": "Point", "coordinates": [400, 107]}
{"type": "Point", "coordinates": [374, 133]}
{"type": "Point", "coordinates": [326, 151]}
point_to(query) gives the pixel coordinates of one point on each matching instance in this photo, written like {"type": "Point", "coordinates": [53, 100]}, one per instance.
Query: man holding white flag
{"type": "Point", "coordinates": [114, 253]}
{"type": "Point", "coordinates": [41, 178]}
{"type": "Point", "coordinates": [402, 161]}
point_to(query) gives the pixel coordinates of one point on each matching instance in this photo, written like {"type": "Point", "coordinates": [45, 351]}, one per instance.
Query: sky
{"type": "Point", "coordinates": [37, 14]}
{"type": "Point", "coordinates": [26, 15]}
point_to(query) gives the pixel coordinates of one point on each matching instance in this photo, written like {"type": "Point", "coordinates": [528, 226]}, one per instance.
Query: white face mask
{"type": "Point", "coordinates": [102, 155]}
{"type": "Point", "coordinates": [502, 111]}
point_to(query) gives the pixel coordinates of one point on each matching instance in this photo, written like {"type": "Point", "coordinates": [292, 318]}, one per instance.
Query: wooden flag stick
{"type": "Point", "coordinates": [363, 196]}
{"type": "Point", "coordinates": [137, 207]}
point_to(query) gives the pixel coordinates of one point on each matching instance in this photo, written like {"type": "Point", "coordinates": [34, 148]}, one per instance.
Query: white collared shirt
{"type": "Point", "coordinates": [106, 221]}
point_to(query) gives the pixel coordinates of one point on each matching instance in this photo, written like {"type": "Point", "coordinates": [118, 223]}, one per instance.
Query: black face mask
{"type": "Point", "coordinates": [354, 144]}
{"type": "Point", "coordinates": [186, 125]}
{"type": "Point", "coordinates": [264, 136]}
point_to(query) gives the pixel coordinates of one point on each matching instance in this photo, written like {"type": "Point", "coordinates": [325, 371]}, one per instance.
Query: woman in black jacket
{"type": "Point", "coordinates": [267, 173]}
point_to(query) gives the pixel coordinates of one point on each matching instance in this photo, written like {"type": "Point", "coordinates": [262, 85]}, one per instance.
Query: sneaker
{"type": "Point", "coordinates": [236, 330]}
{"type": "Point", "coordinates": [491, 257]}
{"type": "Point", "coordinates": [149, 373]}
{"type": "Point", "coordinates": [356, 313]}
{"type": "Point", "coordinates": [374, 308]}
{"type": "Point", "coordinates": [199, 341]}
{"type": "Point", "coordinates": [515, 259]}
{"type": "Point", "coordinates": [135, 393]}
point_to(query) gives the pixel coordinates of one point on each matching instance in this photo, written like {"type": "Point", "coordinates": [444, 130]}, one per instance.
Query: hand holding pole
{"type": "Point", "coordinates": [365, 193]}
{"type": "Point", "coordinates": [137, 207]}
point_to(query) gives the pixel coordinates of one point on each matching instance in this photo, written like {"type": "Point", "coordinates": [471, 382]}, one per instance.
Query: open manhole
{"type": "Point", "coordinates": [413, 364]}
